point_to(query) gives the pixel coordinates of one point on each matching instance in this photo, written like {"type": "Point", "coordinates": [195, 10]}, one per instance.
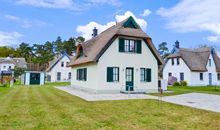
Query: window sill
{"type": "Point", "coordinates": [130, 52]}
{"type": "Point", "coordinates": [113, 82]}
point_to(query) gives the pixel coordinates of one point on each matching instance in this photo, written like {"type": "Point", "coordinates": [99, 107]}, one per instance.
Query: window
{"type": "Point", "coordinates": [80, 52]}
{"type": "Point", "coordinates": [172, 61]}
{"type": "Point", "coordinates": [201, 76]}
{"type": "Point", "coordinates": [210, 63]}
{"type": "Point", "coordinates": [4, 67]}
{"type": "Point", "coordinates": [81, 74]}
{"type": "Point", "coordinates": [69, 75]}
{"type": "Point", "coordinates": [178, 61]}
{"type": "Point", "coordinates": [58, 76]}
{"type": "Point", "coordinates": [67, 63]}
{"type": "Point", "coordinates": [9, 67]}
{"type": "Point", "coordinates": [62, 64]}
{"type": "Point", "coordinates": [218, 76]}
{"type": "Point", "coordinates": [112, 74]}
{"type": "Point", "coordinates": [145, 74]}
{"type": "Point", "coordinates": [48, 78]}
{"type": "Point", "coordinates": [181, 76]}
{"type": "Point", "coordinates": [129, 45]}
{"type": "Point", "coordinates": [169, 74]}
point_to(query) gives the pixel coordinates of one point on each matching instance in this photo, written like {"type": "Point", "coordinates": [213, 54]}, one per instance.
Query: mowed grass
{"type": "Point", "coordinates": [176, 90]}
{"type": "Point", "coordinates": [46, 107]}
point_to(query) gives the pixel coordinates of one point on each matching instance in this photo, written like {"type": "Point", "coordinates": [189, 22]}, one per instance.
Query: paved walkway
{"type": "Point", "coordinates": [101, 97]}
{"type": "Point", "coordinates": [196, 100]}
{"type": "Point", "coordinates": [209, 102]}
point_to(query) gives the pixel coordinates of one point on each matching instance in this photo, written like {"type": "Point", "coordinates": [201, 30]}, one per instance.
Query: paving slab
{"type": "Point", "coordinates": [209, 102]}
{"type": "Point", "coordinates": [102, 97]}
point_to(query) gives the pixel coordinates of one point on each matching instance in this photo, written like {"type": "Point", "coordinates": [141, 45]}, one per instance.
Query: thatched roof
{"type": "Point", "coordinates": [196, 59]}
{"type": "Point", "coordinates": [95, 47]}
{"type": "Point", "coordinates": [18, 62]}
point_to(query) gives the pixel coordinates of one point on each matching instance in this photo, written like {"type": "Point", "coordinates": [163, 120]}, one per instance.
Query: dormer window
{"type": "Point", "coordinates": [178, 61]}
{"type": "Point", "coordinates": [210, 63]}
{"type": "Point", "coordinates": [172, 61]}
{"type": "Point", "coordinates": [80, 52]}
{"type": "Point", "coordinates": [129, 45]}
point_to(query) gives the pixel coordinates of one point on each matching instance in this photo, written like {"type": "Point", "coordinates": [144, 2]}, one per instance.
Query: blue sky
{"type": "Point", "coordinates": [192, 22]}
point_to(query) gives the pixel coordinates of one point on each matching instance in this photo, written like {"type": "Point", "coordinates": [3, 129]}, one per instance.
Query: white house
{"type": "Point", "coordinates": [9, 63]}
{"type": "Point", "coordinates": [199, 67]}
{"type": "Point", "coordinates": [58, 70]}
{"type": "Point", "coordinates": [122, 58]}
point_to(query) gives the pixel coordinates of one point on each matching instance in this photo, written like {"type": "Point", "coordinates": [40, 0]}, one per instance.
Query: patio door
{"type": "Point", "coordinates": [210, 79]}
{"type": "Point", "coordinates": [34, 78]}
{"type": "Point", "coordinates": [129, 75]}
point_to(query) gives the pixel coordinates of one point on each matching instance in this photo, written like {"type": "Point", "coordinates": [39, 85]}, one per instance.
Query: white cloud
{"type": "Point", "coordinates": [9, 38]}
{"type": "Point", "coordinates": [214, 38]}
{"type": "Point", "coordinates": [146, 13]}
{"type": "Point", "coordinates": [75, 5]}
{"type": "Point", "coordinates": [86, 30]}
{"type": "Point", "coordinates": [25, 23]}
{"type": "Point", "coordinates": [47, 3]}
{"type": "Point", "coordinates": [193, 16]}
{"type": "Point", "coordinates": [109, 2]}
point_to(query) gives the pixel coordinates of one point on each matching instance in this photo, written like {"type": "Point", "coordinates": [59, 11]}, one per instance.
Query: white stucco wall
{"type": "Point", "coordinates": [97, 73]}
{"type": "Point", "coordinates": [92, 78]}
{"type": "Point", "coordinates": [176, 70]}
{"type": "Point", "coordinates": [64, 71]}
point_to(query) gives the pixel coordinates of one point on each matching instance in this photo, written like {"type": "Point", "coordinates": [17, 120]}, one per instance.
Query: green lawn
{"type": "Point", "coordinates": [48, 108]}
{"type": "Point", "coordinates": [187, 89]}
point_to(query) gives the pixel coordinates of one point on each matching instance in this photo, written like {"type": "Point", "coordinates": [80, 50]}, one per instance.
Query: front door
{"type": "Point", "coordinates": [34, 78]}
{"type": "Point", "coordinates": [210, 79]}
{"type": "Point", "coordinates": [129, 79]}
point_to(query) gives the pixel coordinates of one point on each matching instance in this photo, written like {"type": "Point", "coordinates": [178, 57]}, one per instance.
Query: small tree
{"type": "Point", "coordinates": [19, 71]}
{"type": "Point", "coordinates": [163, 49]}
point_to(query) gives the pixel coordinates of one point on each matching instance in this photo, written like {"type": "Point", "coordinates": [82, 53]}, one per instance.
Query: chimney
{"type": "Point", "coordinates": [95, 32]}
{"type": "Point", "coordinates": [177, 44]}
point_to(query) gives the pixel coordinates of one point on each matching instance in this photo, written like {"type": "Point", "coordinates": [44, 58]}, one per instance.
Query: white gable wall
{"type": "Point", "coordinates": [176, 70]}
{"type": "Point", "coordinates": [64, 71]}
{"type": "Point", "coordinates": [113, 58]}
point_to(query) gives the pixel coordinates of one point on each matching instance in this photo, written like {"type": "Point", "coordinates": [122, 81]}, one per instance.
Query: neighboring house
{"type": "Point", "coordinates": [9, 63]}
{"type": "Point", "coordinates": [121, 58]}
{"type": "Point", "coordinates": [58, 70]}
{"type": "Point", "coordinates": [199, 67]}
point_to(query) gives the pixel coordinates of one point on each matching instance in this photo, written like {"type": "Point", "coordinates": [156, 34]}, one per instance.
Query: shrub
{"type": "Point", "coordinates": [176, 83]}
{"type": "Point", "coordinates": [183, 83]}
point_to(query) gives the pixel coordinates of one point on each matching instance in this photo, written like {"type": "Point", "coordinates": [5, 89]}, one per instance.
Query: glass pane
{"type": "Point", "coordinates": [132, 46]}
